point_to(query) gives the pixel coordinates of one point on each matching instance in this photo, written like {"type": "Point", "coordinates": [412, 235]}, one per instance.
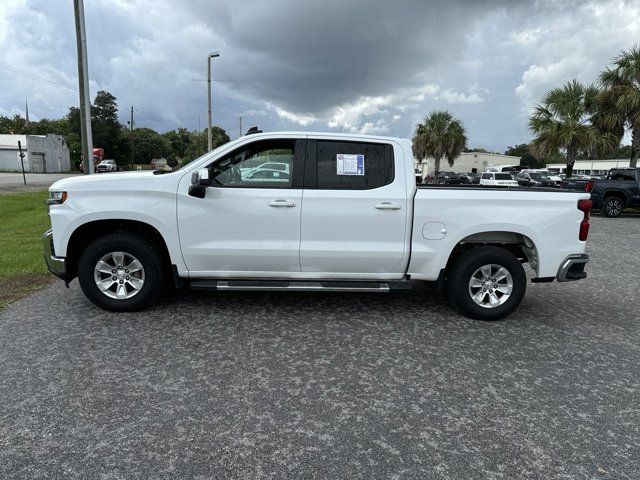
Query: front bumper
{"type": "Point", "coordinates": [572, 268]}
{"type": "Point", "coordinates": [56, 265]}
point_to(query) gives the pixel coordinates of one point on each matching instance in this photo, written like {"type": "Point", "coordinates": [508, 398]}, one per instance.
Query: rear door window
{"type": "Point", "coordinates": [622, 175]}
{"type": "Point", "coordinates": [353, 165]}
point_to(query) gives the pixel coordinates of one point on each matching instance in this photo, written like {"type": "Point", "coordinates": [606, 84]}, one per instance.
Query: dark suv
{"type": "Point", "coordinates": [621, 189]}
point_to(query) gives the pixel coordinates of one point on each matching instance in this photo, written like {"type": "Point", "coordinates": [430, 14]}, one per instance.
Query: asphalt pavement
{"type": "Point", "coordinates": [14, 182]}
{"type": "Point", "coordinates": [315, 385]}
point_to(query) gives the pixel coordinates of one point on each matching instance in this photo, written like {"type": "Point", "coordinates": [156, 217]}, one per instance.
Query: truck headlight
{"type": "Point", "coordinates": [56, 198]}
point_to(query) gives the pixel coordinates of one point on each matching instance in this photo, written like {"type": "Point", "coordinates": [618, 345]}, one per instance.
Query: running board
{"type": "Point", "coordinates": [299, 286]}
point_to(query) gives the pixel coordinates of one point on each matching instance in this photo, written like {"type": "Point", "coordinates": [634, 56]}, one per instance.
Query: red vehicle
{"type": "Point", "coordinates": [98, 156]}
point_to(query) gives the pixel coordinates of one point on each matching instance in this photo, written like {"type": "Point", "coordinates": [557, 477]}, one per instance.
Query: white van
{"type": "Point", "coordinates": [498, 178]}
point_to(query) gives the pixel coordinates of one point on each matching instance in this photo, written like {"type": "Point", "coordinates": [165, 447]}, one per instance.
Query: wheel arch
{"type": "Point", "coordinates": [522, 246]}
{"type": "Point", "coordinates": [616, 193]}
{"type": "Point", "coordinates": [90, 231]}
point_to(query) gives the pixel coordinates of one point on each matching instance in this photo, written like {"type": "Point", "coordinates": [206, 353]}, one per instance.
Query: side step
{"type": "Point", "coordinates": [299, 286]}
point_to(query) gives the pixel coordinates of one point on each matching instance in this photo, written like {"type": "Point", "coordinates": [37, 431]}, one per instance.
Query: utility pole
{"type": "Point", "coordinates": [83, 83]}
{"type": "Point", "coordinates": [131, 137]}
{"type": "Point", "coordinates": [241, 117]}
{"type": "Point", "coordinates": [209, 57]}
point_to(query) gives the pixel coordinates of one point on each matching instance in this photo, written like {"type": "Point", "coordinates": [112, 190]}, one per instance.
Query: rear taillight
{"type": "Point", "coordinates": [585, 207]}
{"type": "Point", "coordinates": [588, 186]}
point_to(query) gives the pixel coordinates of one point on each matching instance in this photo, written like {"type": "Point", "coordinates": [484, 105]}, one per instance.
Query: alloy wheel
{"type": "Point", "coordinates": [119, 275]}
{"type": "Point", "coordinates": [490, 286]}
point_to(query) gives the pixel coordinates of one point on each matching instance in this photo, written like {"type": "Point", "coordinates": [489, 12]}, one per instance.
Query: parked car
{"type": "Point", "coordinates": [620, 190]}
{"type": "Point", "coordinates": [268, 175]}
{"type": "Point", "coordinates": [349, 217]}
{"type": "Point", "coordinates": [281, 166]}
{"type": "Point", "coordinates": [107, 166]}
{"type": "Point", "coordinates": [470, 178]}
{"type": "Point", "coordinates": [547, 173]}
{"type": "Point", "coordinates": [449, 178]}
{"type": "Point", "coordinates": [534, 179]}
{"type": "Point", "coordinates": [495, 178]}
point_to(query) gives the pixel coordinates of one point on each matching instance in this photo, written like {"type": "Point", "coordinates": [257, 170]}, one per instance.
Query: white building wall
{"type": "Point", "coordinates": [52, 148]}
{"type": "Point", "coordinates": [467, 162]}
{"type": "Point", "coordinates": [591, 167]}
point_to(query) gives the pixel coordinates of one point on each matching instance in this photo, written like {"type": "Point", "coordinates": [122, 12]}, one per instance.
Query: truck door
{"type": "Point", "coordinates": [354, 210]}
{"type": "Point", "coordinates": [248, 224]}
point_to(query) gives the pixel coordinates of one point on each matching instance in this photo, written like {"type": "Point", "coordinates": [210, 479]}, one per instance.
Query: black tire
{"type": "Point", "coordinates": [612, 206]}
{"type": "Point", "coordinates": [468, 263]}
{"type": "Point", "coordinates": [145, 252]}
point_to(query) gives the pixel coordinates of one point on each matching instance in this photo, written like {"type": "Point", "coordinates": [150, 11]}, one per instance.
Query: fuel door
{"type": "Point", "coordinates": [434, 231]}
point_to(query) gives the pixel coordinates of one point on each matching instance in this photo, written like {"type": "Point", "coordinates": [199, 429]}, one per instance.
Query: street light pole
{"type": "Point", "coordinates": [241, 117]}
{"type": "Point", "coordinates": [83, 81]}
{"type": "Point", "coordinates": [209, 57]}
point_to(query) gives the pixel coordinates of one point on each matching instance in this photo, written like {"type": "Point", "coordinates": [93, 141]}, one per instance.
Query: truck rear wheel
{"type": "Point", "coordinates": [486, 283]}
{"type": "Point", "coordinates": [613, 206]}
{"type": "Point", "coordinates": [121, 272]}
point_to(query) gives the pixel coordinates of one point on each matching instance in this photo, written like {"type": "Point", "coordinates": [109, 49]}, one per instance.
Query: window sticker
{"type": "Point", "coordinates": [350, 164]}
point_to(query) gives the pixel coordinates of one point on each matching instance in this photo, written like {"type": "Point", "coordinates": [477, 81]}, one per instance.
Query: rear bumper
{"type": "Point", "coordinates": [56, 265]}
{"type": "Point", "coordinates": [572, 268]}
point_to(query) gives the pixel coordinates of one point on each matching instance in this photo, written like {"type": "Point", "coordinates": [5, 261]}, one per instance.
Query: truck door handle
{"type": "Point", "coordinates": [281, 203]}
{"type": "Point", "coordinates": [387, 206]}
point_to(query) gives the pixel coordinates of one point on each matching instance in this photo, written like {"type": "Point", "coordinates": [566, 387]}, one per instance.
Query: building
{"type": "Point", "coordinates": [43, 153]}
{"type": "Point", "coordinates": [590, 167]}
{"type": "Point", "coordinates": [475, 162]}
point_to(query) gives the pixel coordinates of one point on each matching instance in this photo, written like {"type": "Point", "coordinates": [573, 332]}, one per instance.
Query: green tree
{"type": "Point", "coordinates": [566, 123]}
{"type": "Point", "coordinates": [149, 144]}
{"type": "Point", "coordinates": [198, 143]}
{"type": "Point", "coordinates": [620, 99]}
{"type": "Point", "coordinates": [15, 125]}
{"type": "Point", "coordinates": [74, 140]}
{"type": "Point", "coordinates": [106, 129]}
{"type": "Point", "coordinates": [518, 150]}
{"type": "Point", "coordinates": [439, 136]}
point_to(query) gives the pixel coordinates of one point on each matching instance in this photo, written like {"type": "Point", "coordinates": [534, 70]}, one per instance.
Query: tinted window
{"type": "Point", "coordinates": [503, 176]}
{"type": "Point", "coordinates": [268, 163]}
{"type": "Point", "coordinates": [622, 174]}
{"type": "Point", "coordinates": [486, 176]}
{"type": "Point", "coordinates": [354, 165]}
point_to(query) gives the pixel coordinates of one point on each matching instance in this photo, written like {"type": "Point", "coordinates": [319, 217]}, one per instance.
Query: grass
{"type": "Point", "coordinates": [23, 220]}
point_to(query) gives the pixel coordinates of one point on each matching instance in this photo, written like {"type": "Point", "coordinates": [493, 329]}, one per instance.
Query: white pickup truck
{"type": "Point", "coordinates": [343, 214]}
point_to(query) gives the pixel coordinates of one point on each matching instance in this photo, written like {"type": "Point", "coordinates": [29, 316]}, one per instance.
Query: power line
{"type": "Point", "coordinates": [33, 76]}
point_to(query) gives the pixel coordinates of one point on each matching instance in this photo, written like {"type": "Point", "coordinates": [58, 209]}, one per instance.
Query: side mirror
{"type": "Point", "coordinates": [200, 180]}
{"type": "Point", "coordinates": [201, 177]}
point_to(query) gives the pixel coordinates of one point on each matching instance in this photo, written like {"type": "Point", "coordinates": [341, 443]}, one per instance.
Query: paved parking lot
{"type": "Point", "coordinates": [13, 182]}
{"type": "Point", "coordinates": [237, 385]}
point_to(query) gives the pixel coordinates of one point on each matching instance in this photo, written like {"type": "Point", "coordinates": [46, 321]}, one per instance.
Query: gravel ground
{"type": "Point", "coordinates": [239, 385]}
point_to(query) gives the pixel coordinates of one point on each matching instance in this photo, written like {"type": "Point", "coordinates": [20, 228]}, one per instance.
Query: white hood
{"type": "Point", "coordinates": [82, 180]}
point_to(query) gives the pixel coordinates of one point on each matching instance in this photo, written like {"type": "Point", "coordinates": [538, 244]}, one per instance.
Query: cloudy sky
{"type": "Point", "coordinates": [330, 65]}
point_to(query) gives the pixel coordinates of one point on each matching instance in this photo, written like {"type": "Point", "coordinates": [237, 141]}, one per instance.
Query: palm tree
{"type": "Point", "coordinates": [620, 99]}
{"type": "Point", "coordinates": [440, 136]}
{"type": "Point", "coordinates": [567, 122]}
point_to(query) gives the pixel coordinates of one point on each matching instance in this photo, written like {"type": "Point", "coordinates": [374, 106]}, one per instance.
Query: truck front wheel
{"type": "Point", "coordinates": [486, 283]}
{"type": "Point", "coordinates": [121, 272]}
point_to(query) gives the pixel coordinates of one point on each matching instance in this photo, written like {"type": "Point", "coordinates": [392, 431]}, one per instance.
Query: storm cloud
{"type": "Point", "coordinates": [358, 66]}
